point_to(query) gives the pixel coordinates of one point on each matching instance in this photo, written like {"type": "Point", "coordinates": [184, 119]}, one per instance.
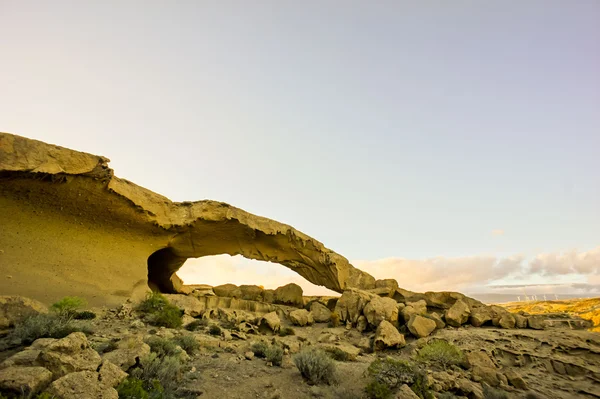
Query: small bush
{"type": "Point", "coordinates": [334, 321]}
{"type": "Point", "coordinates": [68, 306]}
{"type": "Point", "coordinates": [160, 377]}
{"type": "Point", "coordinates": [260, 349]}
{"type": "Point", "coordinates": [47, 326]}
{"type": "Point", "coordinates": [214, 330]}
{"type": "Point", "coordinates": [188, 343]}
{"type": "Point", "coordinates": [421, 387]}
{"type": "Point", "coordinates": [493, 393]}
{"type": "Point", "coordinates": [274, 354]}
{"type": "Point", "coordinates": [154, 302]}
{"type": "Point", "coordinates": [85, 315]}
{"type": "Point", "coordinates": [440, 352]}
{"type": "Point", "coordinates": [316, 366]}
{"type": "Point", "coordinates": [284, 332]}
{"type": "Point", "coordinates": [338, 354]}
{"type": "Point", "coordinates": [160, 312]}
{"type": "Point", "coordinates": [391, 373]}
{"type": "Point", "coordinates": [377, 390]}
{"type": "Point", "coordinates": [197, 325]}
{"type": "Point", "coordinates": [161, 346]}
{"type": "Point", "coordinates": [132, 388]}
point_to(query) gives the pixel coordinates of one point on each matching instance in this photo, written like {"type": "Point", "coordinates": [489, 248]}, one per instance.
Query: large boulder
{"type": "Point", "coordinates": [14, 308]}
{"type": "Point", "coordinates": [68, 355]}
{"type": "Point", "coordinates": [502, 317]}
{"type": "Point", "coordinates": [270, 322]}
{"type": "Point", "coordinates": [301, 317]}
{"type": "Point", "coordinates": [351, 304]}
{"type": "Point", "coordinates": [457, 314]}
{"type": "Point", "coordinates": [420, 326]}
{"type": "Point", "coordinates": [413, 308]}
{"type": "Point", "coordinates": [82, 385]}
{"type": "Point", "coordinates": [252, 292]}
{"type": "Point", "coordinates": [537, 322]}
{"type": "Point", "coordinates": [289, 294]}
{"type": "Point", "coordinates": [228, 290]}
{"type": "Point", "coordinates": [128, 353]}
{"type": "Point", "coordinates": [320, 312]}
{"type": "Point", "coordinates": [387, 336]}
{"type": "Point", "coordinates": [379, 309]}
{"type": "Point", "coordinates": [26, 381]}
{"type": "Point", "coordinates": [389, 283]}
{"type": "Point", "coordinates": [480, 316]}
{"type": "Point", "coordinates": [520, 320]}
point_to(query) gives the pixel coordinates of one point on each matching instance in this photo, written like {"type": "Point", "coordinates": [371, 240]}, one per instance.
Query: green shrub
{"type": "Point", "coordinates": [391, 373]}
{"type": "Point", "coordinates": [160, 312]}
{"type": "Point", "coordinates": [47, 326]}
{"type": "Point", "coordinates": [377, 390]}
{"type": "Point", "coordinates": [161, 346]}
{"type": "Point", "coordinates": [43, 395]}
{"type": "Point", "coordinates": [440, 352]}
{"type": "Point", "coordinates": [188, 343]}
{"type": "Point", "coordinates": [421, 387]}
{"type": "Point", "coordinates": [338, 354]}
{"type": "Point", "coordinates": [284, 332]}
{"type": "Point", "coordinates": [197, 325]}
{"type": "Point", "coordinates": [132, 388]}
{"type": "Point", "coordinates": [85, 315]}
{"type": "Point", "coordinates": [316, 366]}
{"type": "Point", "coordinates": [160, 377]}
{"type": "Point", "coordinates": [493, 393]}
{"type": "Point", "coordinates": [214, 330]}
{"type": "Point", "coordinates": [274, 354]}
{"type": "Point", "coordinates": [259, 349]}
{"type": "Point", "coordinates": [68, 306]}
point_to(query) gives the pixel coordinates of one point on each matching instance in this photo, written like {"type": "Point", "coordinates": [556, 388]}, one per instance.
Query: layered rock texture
{"type": "Point", "coordinates": [68, 221]}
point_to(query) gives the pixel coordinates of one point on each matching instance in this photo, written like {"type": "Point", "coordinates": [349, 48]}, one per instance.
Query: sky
{"type": "Point", "coordinates": [449, 145]}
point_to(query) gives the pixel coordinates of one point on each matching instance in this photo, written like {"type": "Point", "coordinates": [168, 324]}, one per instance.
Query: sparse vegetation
{"type": "Point", "coordinates": [388, 375]}
{"type": "Point", "coordinates": [160, 312]}
{"type": "Point", "coordinates": [285, 331]}
{"type": "Point", "coordinates": [214, 330]}
{"type": "Point", "coordinates": [316, 366]}
{"type": "Point", "coordinates": [160, 376]}
{"type": "Point", "coordinates": [197, 324]}
{"type": "Point", "coordinates": [85, 315]}
{"type": "Point", "coordinates": [493, 393]}
{"type": "Point", "coordinates": [440, 352]}
{"type": "Point", "coordinates": [67, 307]}
{"type": "Point", "coordinates": [260, 349]}
{"type": "Point", "coordinates": [132, 388]}
{"type": "Point", "coordinates": [47, 326]}
{"type": "Point", "coordinates": [188, 343]}
{"type": "Point", "coordinates": [161, 346]}
{"type": "Point", "coordinates": [274, 354]}
{"type": "Point", "coordinates": [338, 354]}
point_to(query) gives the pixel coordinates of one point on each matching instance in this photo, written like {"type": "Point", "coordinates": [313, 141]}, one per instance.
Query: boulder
{"type": "Point", "coordinates": [268, 296]}
{"type": "Point", "coordinates": [252, 292]}
{"type": "Point", "coordinates": [29, 356]}
{"type": "Point", "coordinates": [14, 308]}
{"type": "Point", "coordinates": [270, 322]}
{"type": "Point", "coordinates": [110, 375]}
{"type": "Point", "coordinates": [190, 305]}
{"type": "Point", "coordinates": [69, 354]}
{"type": "Point", "coordinates": [197, 290]}
{"type": "Point", "coordinates": [401, 295]}
{"type": "Point", "coordinates": [536, 322]}
{"type": "Point", "coordinates": [502, 318]}
{"type": "Point", "coordinates": [457, 314]}
{"type": "Point", "coordinates": [515, 379]}
{"type": "Point", "coordinates": [439, 323]}
{"type": "Point", "coordinates": [479, 358]}
{"type": "Point", "coordinates": [27, 381]}
{"type": "Point", "coordinates": [128, 352]}
{"type": "Point", "coordinates": [388, 336]}
{"type": "Point", "coordinates": [320, 312]}
{"type": "Point", "coordinates": [301, 317]}
{"type": "Point", "coordinates": [289, 294]}
{"type": "Point", "coordinates": [480, 316]}
{"type": "Point", "coordinates": [81, 385]}
{"type": "Point", "coordinates": [362, 324]}
{"type": "Point", "coordinates": [406, 393]}
{"type": "Point", "coordinates": [351, 304]}
{"type": "Point", "coordinates": [420, 326]}
{"type": "Point", "coordinates": [520, 321]}
{"type": "Point", "coordinates": [387, 283]}
{"type": "Point", "coordinates": [413, 308]}
{"type": "Point", "coordinates": [379, 309]}
{"type": "Point", "coordinates": [228, 290]}
{"type": "Point", "coordinates": [351, 352]}
{"type": "Point", "coordinates": [486, 375]}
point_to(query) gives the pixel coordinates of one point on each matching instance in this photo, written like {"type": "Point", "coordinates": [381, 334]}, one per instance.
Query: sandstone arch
{"type": "Point", "coordinates": [94, 234]}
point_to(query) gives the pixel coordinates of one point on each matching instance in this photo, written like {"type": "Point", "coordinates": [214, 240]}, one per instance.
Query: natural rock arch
{"type": "Point", "coordinates": [130, 233]}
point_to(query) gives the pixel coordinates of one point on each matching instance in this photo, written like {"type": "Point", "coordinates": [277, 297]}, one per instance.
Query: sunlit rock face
{"type": "Point", "coordinates": [70, 226]}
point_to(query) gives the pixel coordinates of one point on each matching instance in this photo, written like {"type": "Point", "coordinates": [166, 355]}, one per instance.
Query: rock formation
{"type": "Point", "coordinates": [69, 221]}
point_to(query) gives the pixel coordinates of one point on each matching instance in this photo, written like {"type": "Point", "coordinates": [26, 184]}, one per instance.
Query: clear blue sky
{"type": "Point", "coordinates": [402, 129]}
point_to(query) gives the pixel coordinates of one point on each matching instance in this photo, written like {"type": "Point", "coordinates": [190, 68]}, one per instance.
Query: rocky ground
{"type": "Point", "coordinates": [538, 360]}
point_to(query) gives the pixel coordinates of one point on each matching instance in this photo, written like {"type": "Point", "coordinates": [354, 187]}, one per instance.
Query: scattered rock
{"type": "Point", "coordinates": [129, 351]}
{"type": "Point", "coordinates": [14, 308]}
{"type": "Point", "coordinates": [249, 355]}
{"type": "Point", "coordinates": [458, 314]}
{"type": "Point", "coordinates": [27, 381]}
{"type": "Point", "coordinates": [362, 324]}
{"type": "Point", "coordinates": [320, 312]}
{"type": "Point", "coordinates": [480, 316]}
{"type": "Point", "coordinates": [301, 317]}
{"type": "Point", "coordinates": [289, 294]}
{"type": "Point", "coordinates": [387, 336]}
{"type": "Point", "coordinates": [68, 355]}
{"type": "Point", "coordinates": [81, 385]}
{"type": "Point", "coordinates": [439, 323]}
{"type": "Point", "coordinates": [270, 321]}
{"type": "Point", "coordinates": [110, 375]}
{"type": "Point", "coordinates": [350, 305]}
{"type": "Point", "coordinates": [379, 309]}
{"type": "Point", "coordinates": [420, 326]}
{"type": "Point", "coordinates": [515, 379]}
